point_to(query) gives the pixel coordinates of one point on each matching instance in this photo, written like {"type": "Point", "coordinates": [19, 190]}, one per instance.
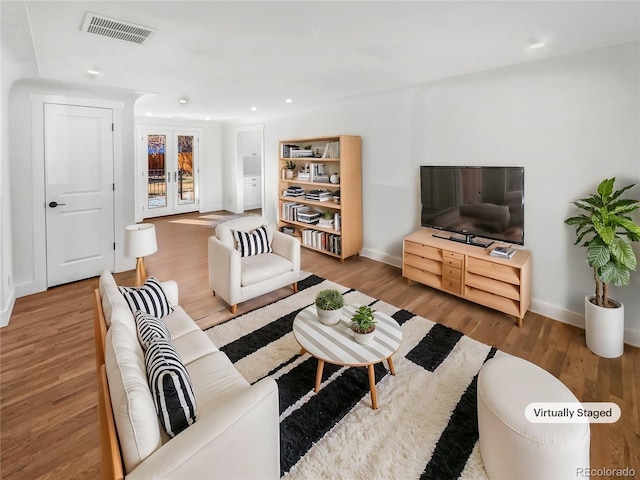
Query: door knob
{"type": "Point", "coordinates": [55, 204]}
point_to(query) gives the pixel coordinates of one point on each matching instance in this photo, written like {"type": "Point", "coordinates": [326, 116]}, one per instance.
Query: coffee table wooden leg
{"type": "Point", "coordinates": [372, 386]}
{"type": "Point", "coordinates": [302, 351]}
{"type": "Point", "coordinates": [319, 375]}
{"type": "Point", "coordinates": [391, 369]}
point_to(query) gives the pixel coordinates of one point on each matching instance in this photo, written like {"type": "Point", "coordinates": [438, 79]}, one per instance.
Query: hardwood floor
{"type": "Point", "coordinates": [48, 413]}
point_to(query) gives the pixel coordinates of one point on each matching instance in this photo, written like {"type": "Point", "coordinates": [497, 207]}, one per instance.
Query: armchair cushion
{"type": "Point", "coordinates": [253, 243]}
{"type": "Point", "coordinates": [262, 267]}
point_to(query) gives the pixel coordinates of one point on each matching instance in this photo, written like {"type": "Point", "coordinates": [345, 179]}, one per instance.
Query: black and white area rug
{"type": "Point", "coordinates": [426, 422]}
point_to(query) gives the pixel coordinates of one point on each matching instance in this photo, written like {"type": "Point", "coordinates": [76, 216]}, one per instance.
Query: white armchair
{"type": "Point", "coordinates": [236, 278]}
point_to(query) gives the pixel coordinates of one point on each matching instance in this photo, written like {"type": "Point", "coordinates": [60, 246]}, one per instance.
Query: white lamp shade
{"type": "Point", "coordinates": [140, 240]}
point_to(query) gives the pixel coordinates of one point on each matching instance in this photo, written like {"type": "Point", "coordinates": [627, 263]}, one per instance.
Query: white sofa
{"type": "Point", "coordinates": [236, 278]}
{"type": "Point", "coordinates": [236, 433]}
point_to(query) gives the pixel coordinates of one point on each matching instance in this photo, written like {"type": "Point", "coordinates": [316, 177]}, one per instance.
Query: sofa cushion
{"type": "Point", "coordinates": [193, 345]}
{"type": "Point", "coordinates": [170, 386]}
{"type": "Point", "coordinates": [134, 412]}
{"type": "Point", "coordinates": [150, 327]}
{"type": "Point", "coordinates": [179, 323]}
{"type": "Point", "coordinates": [252, 243]}
{"type": "Point", "coordinates": [112, 299]}
{"type": "Point", "coordinates": [149, 298]}
{"type": "Point", "coordinates": [258, 268]}
{"type": "Point", "coordinates": [215, 380]}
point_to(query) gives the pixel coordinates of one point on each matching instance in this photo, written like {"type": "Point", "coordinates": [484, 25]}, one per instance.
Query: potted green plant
{"type": "Point", "coordinates": [606, 230]}
{"type": "Point", "coordinates": [363, 324]}
{"type": "Point", "coordinates": [329, 305]}
{"type": "Point", "coordinates": [290, 166]}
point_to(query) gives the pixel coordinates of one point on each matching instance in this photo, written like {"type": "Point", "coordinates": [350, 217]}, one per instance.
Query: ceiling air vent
{"type": "Point", "coordinates": [114, 28]}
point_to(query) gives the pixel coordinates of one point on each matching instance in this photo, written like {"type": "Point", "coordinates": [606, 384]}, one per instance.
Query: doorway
{"type": "Point", "coordinates": [249, 148]}
{"type": "Point", "coordinates": [79, 192]}
{"type": "Point", "coordinates": [169, 167]}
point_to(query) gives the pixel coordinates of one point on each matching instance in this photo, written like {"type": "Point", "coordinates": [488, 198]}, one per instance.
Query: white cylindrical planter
{"type": "Point", "coordinates": [329, 317]}
{"type": "Point", "coordinates": [604, 328]}
{"type": "Point", "coordinates": [363, 338]}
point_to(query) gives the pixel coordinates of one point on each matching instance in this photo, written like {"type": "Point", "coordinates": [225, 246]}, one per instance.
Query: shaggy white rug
{"type": "Point", "coordinates": [426, 422]}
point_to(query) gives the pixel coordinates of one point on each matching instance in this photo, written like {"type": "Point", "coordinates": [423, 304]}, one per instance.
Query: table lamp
{"type": "Point", "coordinates": [140, 241]}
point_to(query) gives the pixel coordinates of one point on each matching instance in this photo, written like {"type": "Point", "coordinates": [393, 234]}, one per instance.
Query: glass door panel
{"type": "Point", "coordinates": [169, 179]}
{"type": "Point", "coordinates": [186, 184]}
{"type": "Point", "coordinates": [157, 171]}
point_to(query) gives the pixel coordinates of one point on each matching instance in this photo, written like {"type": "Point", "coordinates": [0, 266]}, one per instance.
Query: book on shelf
{"type": "Point", "coordinates": [319, 195]}
{"type": "Point", "coordinates": [297, 153]}
{"type": "Point", "coordinates": [308, 216]}
{"type": "Point", "coordinates": [503, 252]}
{"type": "Point", "coordinates": [286, 150]}
{"type": "Point", "coordinates": [337, 218]}
{"type": "Point", "coordinates": [322, 240]}
{"type": "Point", "coordinates": [323, 222]}
{"type": "Point", "coordinates": [291, 210]}
{"type": "Point", "coordinates": [331, 150]}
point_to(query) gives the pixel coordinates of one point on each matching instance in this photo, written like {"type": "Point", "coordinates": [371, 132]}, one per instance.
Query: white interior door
{"type": "Point", "coordinates": [79, 192]}
{"type": "Point", "coordinates": [169, 171]}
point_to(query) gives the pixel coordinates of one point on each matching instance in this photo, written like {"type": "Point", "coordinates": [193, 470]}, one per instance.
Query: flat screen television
{"type": "Point", "coordinates": [485, 202]}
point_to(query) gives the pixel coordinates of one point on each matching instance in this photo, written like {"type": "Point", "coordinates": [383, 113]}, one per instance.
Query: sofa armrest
{"type": "Point", "coordinates": [170, 288]}
{"type": "Point", "coordinates": [224, 271]}
{"type": "Point", "coordinates": [237, 439]}
{"type": "Point", "coordinates": [288, 247]}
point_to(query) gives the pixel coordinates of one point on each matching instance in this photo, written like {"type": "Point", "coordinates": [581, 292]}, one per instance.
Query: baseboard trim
{"type": "Point", "coordinates": [631, 336]}
{"type": "Point", "coordinates": [5, 314]}
{"type": "Point", "coordinates": [381, 257]}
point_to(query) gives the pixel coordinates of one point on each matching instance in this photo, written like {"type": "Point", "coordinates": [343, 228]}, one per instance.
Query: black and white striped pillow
{"type": "Point", "coordinates": [253, 243]}
{"type": "Point", "coordinates": [149, 298]}
{"type": "Point", "coordinates": [170, 387]}
{"type": "Point", "coordinates": [150, 327]}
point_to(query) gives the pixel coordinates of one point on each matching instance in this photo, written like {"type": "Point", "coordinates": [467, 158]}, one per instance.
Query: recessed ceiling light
{"type": "Point", "coordinates": [93, 71]}
{"type": "Point", "coordinates": [253, 109]}
{"type": "Point", "coordinates": [149, 114]}
{"type": "Point", "coordinates": [289, 100]}
{"type": "Point", "coordinates": [183, 101]}
{"type": "Point", "coordinates": [536, 45]}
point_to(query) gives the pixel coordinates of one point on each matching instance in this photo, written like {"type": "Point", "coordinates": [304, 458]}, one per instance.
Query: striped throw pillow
{"type": "Point", "coordinates": [150, 327]}
{"type": "Point", "coordinates": [149, 298]}
{"type": "Point", "coordinates": [253, 243]}
{"type": "Point", "coordinates": [170, 387]}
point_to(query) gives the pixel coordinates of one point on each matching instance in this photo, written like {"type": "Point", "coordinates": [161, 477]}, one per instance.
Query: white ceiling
{"type": "Point", "coordinates": [226, 57]}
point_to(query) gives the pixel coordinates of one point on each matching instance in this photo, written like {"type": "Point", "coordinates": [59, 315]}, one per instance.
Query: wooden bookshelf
{"type": "Point", "coordinates": [342, 156]}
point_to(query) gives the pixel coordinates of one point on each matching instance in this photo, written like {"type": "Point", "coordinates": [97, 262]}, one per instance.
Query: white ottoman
{"type": "Point", "coordinates": [512, 448]}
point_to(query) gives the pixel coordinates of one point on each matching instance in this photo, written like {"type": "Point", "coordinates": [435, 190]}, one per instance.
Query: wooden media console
{"type": "Point", "coordinates": [469, 272]}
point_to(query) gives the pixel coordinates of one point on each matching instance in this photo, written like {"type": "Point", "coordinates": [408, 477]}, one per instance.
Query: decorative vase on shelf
{"type": "Point", "coordinates": [334, 178]}
{"type": "Point", "coordinates": [289, 174]}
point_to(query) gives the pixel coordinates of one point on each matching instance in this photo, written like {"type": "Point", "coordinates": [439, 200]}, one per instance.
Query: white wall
{"type": "Point", "coordinates": [570, 121]}
{"type": "Point", "coordinates": [211, 168]}
{"type": "Point", "coordinates": [18, 61]}
{"type": "Point", "coordinates": [27, 177]}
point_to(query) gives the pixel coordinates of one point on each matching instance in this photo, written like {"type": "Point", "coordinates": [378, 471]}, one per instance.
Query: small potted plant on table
{"type": "Point", "coordinates": [363, 324]}
{"type": "Point", "coordinates": [329, 305]}
{"type": "Point", "coordinates": [606, 230]}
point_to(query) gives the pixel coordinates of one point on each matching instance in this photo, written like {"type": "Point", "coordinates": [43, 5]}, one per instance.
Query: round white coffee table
{"type": "Point", "coordinates": [336, 344]}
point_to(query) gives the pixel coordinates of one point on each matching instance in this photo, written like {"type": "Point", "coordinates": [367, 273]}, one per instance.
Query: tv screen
{"type": "Point", "coordinates": [485, 202]}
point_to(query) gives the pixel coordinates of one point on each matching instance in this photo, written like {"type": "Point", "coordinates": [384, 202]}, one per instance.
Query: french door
{"type": "Point", "coordinates": [169, 171]}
